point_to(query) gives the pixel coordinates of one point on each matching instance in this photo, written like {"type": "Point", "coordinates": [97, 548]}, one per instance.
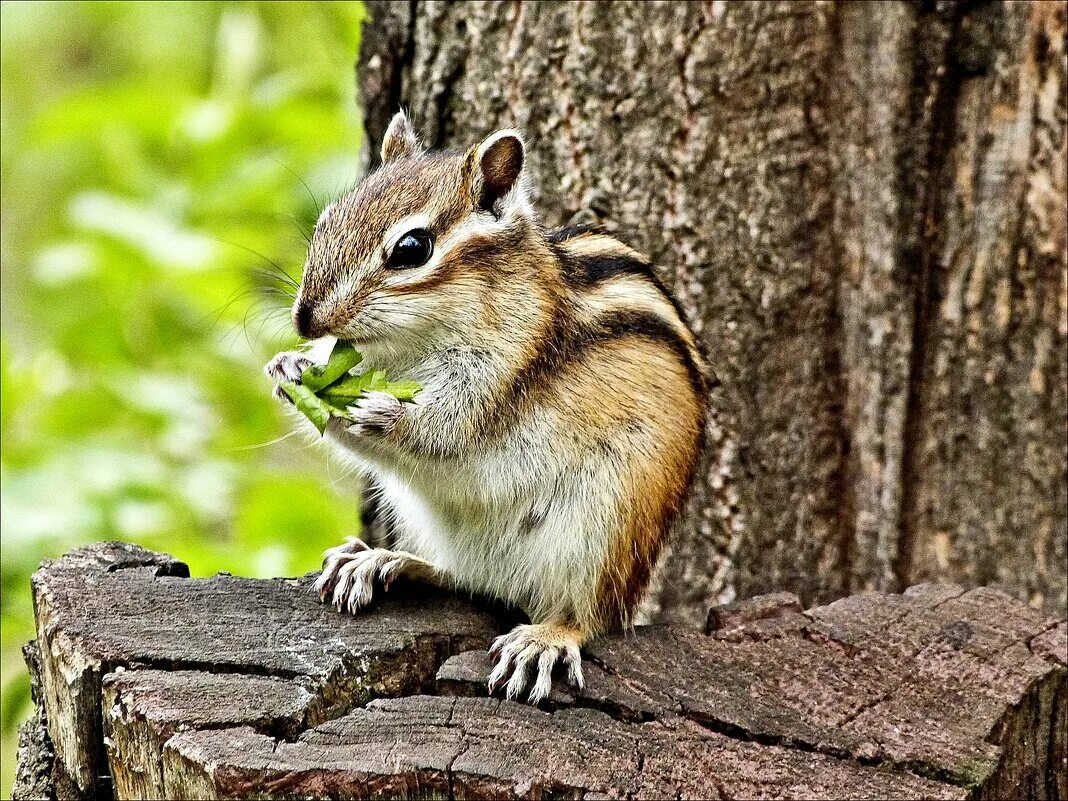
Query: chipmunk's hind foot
{"type": "Point", "coordinates": [537, 645]}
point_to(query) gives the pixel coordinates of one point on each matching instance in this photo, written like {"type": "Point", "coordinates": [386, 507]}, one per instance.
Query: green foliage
{"type": "Point", "coordinates": [343, 357]}
{"type": "Point", "coordinates": [150, 153]}
{"type": "Point", "coordinates": [328, 391]}
{"type": "Point", "coordinates": [351, 388]}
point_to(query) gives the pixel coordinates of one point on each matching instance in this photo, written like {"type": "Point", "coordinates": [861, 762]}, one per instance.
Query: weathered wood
{"type": "Point", "coordinates": [485, 748]}
{"type": "Point", "coordinates": [861, 208]}
{"type": "Point", "coordinates": [921, 681]}
{"type": "Point", "coordinates": [161, 686]}
{"type": "Point", "coordinates": [147, 707]}
{"type": "Point", "coordinates": [989, 499]}
{"type": "Point", "coordinates": [116, 606]}
{"type": "Point", "coordinates": [35, 775]}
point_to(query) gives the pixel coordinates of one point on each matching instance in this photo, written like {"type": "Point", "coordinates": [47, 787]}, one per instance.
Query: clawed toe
{"type": "Point", "coordinates": [334, 559]}
{"type": "Point", "coordinates": [351, 545]}
{"type": "Point", "coordinates": [531, 652]}
{"type": "Point", "coordinates": [351, 570]}
{"type": "Point", "coordinates": [287, 367]}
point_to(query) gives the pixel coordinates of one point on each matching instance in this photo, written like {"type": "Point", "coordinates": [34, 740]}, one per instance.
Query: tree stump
{"type": "Point", "coordinates": [151, 684]}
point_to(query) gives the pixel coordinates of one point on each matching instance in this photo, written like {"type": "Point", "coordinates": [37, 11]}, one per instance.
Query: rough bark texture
{"type": "Point", "coordinates": [154, 685]}
{"type": "Point", "coordinates": [861, 208]}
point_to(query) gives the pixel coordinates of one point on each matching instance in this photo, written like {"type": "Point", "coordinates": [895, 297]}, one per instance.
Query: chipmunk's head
{"type": "Point", "coordinates": [415, 252]}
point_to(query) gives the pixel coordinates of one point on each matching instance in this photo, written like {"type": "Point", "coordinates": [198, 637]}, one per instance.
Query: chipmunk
{"type": "Point", "coordinates": [563, 401]}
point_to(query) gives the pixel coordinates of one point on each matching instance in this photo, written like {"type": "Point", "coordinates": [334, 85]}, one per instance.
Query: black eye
{"type": "Point", "coordinates": [414, 249]}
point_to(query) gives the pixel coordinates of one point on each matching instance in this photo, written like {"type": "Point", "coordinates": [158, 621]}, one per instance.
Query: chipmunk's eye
{"type": "Point", "coordinates": [414, 249]}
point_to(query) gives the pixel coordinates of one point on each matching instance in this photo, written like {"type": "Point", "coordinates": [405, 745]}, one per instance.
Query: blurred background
{"type": "Point", "coordinates": [160, 174]}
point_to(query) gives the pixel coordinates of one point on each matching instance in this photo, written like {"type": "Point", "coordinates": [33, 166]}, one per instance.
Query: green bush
{"type": "Point", "coordinates": [162, 165]}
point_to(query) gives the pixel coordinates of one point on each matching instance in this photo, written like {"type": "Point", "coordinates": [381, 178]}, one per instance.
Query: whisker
{"type": "Point", "coordinates": [235, 296]}
{"type": "Point", "coordinates": [343, 476]}
{"type": "Point", "coordinates": [279, 278]}
{"type": "Point", "coordinates": [279, 271]}
{"type": "Point", "coordinates": [265, 315]}
{"type": "Point", "coordinates": [306, 235]}
{"type": "Point", "coordinates": [282, 438]}
{"type": "Point", "coordinates": [314, 200]}
{"type": "Point", "coordinates": [265, 320]}
{"type": "Point", "coordinates": [278, 292]}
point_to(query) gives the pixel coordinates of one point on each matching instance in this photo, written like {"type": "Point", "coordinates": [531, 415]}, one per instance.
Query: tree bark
{"type": "Point", "coordinates": [151, 684]}
{"type": "Point", "coordinates": [861, 209]}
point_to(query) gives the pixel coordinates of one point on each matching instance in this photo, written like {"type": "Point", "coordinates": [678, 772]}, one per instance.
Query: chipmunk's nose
{"type": "Point", "coordinates": [302, 320]}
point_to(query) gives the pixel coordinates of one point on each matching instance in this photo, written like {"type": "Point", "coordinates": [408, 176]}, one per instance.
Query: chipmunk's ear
{"type": "Point", "coordinates": [497, 170]}
{"type": "Point", "coordinates": [400, 140]}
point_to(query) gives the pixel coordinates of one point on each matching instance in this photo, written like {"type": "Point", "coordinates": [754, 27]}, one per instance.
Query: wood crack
{"type": "Point", "coordinates": [925, 287]}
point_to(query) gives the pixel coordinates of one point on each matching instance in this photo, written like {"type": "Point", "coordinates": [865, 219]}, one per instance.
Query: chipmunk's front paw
{"type": "Point", "coordinates": [288, 366]}
{"type": "Point", "coordinates": [375, 413]}
{"type": "Point", "coordinates": [538, 645]}
{"type": "Point", "coordinates": [351, 570]}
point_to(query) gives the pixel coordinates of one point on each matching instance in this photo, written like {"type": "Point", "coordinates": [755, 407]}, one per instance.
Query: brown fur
{"type": "Point", "coordinates": [353, 231]}
{"type": "Point", "coordinates": [642, 376]}
{"type": "Point", "coordinates": [630, 370]}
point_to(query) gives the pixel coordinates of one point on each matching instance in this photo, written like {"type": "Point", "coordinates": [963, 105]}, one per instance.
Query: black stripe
{"type": "Point", "coordinates": [564, 234]}
{"type": "Point", "coordinates": [667, 293]}
{"type": "Point", "coordinates": [586, 270]}
{"type": "Point", "coordinates": [632, 323]}
{"type": "Point", "coordinates": [569, 339]}
{"type": "Point", "coordinates": [581, 270]}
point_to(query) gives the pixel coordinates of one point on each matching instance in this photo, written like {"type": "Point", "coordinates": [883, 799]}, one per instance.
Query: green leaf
{"type": "Point", "coordinates": [403, 390]}
{"type": "Point", "coordinates": [328, 390]}
{"type": "Point", "coordinates": [342, 359]}
{"type": "Point", "coordinates": [351, 388]}
{"type": "Point", "coordinates": [348, 389]}
{"type": "Point", "coordinates": [309, 404]}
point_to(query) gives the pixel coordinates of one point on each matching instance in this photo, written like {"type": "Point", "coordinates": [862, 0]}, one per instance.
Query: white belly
{"type": "Point", "coordinates": [535, 550]}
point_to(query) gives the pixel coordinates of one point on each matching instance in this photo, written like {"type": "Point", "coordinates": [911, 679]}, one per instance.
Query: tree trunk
{"type": "Point", "coordinates": [861, 209]}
